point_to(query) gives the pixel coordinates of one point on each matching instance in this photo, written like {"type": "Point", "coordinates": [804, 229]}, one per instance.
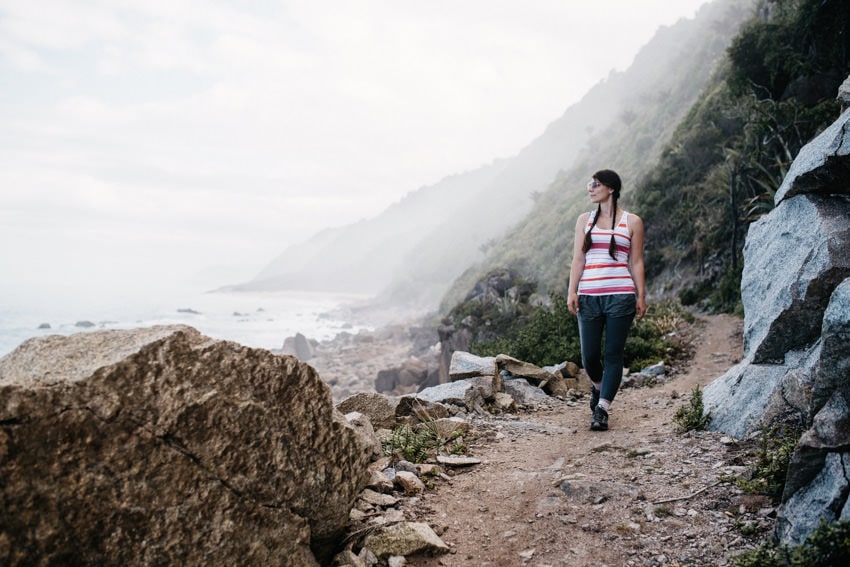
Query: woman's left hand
{"type": "Point", "coordinates": [640, 308]}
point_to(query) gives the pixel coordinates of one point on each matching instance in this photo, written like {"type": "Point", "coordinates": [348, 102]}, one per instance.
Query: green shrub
{"type": "Point", "coordinates": [418, 443]}
{"type": "Point", "coordinates": [827, 545]}
{"type": "Point", "coordinates": [691, 417]}
{"type": "Point", "coordinates": [549, 336]}
{"type": "Point", "coordinates": [410, 444]}
{"type": "Point", "coordinates": [776, 448]}
{"type": "Point", "coordinates": [545, 336]}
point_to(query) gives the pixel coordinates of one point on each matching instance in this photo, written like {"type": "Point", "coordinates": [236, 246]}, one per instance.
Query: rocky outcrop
{"type": "Point", "coordinates": [162, 446]}
{"type": "Point", "coordinates": [796, 295]}
{"type": "Point", "coordinates": [405, 378]}
{"type": "Point", "coordinates": [299, 346]}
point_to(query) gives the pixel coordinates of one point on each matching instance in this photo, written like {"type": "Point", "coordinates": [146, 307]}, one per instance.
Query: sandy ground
{"type": "Point", "coordinates": [550, 491]}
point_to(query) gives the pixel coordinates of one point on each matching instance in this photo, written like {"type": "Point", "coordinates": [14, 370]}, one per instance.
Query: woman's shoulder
{"type": "Point", "coordinates": [633, 220]}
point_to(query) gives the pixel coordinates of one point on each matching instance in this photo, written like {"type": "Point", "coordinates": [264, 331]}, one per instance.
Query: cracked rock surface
{"type": "Point", "coordinates": [163, 446]}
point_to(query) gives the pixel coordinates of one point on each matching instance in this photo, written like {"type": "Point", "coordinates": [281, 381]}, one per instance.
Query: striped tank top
{"type": "Point", "coordinates": [603, 275]}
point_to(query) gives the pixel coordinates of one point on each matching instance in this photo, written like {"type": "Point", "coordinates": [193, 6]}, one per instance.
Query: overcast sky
{"type": "Point", "coordinates": [149, 139]}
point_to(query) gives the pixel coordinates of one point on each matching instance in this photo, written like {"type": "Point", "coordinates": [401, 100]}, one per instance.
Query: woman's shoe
{"type": "Point", "coordinates": [600, 420]}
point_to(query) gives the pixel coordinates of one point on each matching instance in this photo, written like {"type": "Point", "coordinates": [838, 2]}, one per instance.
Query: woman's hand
{"type": "Point", "coordinates": [572, 302]}
{"type": "Point", "coordinates": [640, 308]}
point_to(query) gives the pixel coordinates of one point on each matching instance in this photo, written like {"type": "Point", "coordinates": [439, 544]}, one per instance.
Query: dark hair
{"type": "Point", "coordinates": [610, 179]}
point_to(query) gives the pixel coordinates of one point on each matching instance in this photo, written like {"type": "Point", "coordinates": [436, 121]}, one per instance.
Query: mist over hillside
{"type": "Point", "coordinates": [439, 238]}
{"type": "Point", "coordinates": [668, 77]}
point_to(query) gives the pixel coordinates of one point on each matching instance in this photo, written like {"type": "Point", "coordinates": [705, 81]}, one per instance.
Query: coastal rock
{"type": "Point", "coordinates": [403, 379]}
{"type": "Point", "coordinates": [298, 346]}
{"type": "Point", "coordinates": [163, 446]}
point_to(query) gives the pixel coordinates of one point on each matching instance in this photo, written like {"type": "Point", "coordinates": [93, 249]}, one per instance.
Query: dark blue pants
{"type": "Point", "coordinates": [613, 316]}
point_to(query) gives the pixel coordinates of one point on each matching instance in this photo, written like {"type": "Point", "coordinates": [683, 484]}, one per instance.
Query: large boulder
{"type": "Point", "coordinates": [403, 379]}
{"type": "Point", "coordinates": [793, 260]}
{"type": "Point", "coordinates": [796, 294]}
{"type": "Point", "coordinates": [162, 446]}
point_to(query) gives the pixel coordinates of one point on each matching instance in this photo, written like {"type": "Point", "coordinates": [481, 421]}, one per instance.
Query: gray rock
{"type": "Point", "coordinates": [737, 399]}
{"type": "Point", "coordinates": [457, 460]}
{"type": "Point", "coordinates": [793, 260]}
{"type": "Point", "coordinates": [423, 410]}
{"type": "Point", "coordinates": [402, 379]}
{"type": "Point", "coordinates": [467, 365]}
{"type": "Point", "coordinates": [656, 369]}
{"type": "Point", "coordinates": [298, 346]}
{"type": "Point", "coordinates": [459, 392]}
{"type": "Point", "coordinates": [363, 426]}
{"type": "Point", "coordinates": [406, 538]}
{"type": "Point", "coordinates": [520, 369]}
{"type": "Point", "coordinates": [165, 445]}
{"type": "Point", "coordinates": [834, 367]}
{"type": "Point", "coordinates": [801, 513]}
{"type": "Point", "coordinates": [523, 392]}
{"type": "Point", "coordinates": [822, 166]}
{"type": "Point", "coordinates": [844, 92]}
{"type": "Point", "coordinates": [796, 297]}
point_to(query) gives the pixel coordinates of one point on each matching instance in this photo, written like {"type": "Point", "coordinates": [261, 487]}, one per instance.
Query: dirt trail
{"type": "Point", "coordinates": [551, 492]}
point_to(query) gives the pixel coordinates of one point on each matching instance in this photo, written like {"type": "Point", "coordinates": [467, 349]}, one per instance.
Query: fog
{"type": "Point", "coordinates": [148, 145]}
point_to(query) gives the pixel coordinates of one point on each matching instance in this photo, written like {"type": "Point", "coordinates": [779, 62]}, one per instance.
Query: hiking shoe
{"type": "Point", "coordinates": [594, 397]}
{"type": "Point", "coordinates": [600, 420]}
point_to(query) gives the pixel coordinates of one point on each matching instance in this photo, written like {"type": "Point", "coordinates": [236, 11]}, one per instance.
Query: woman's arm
{"type": "Point", "coordinates": [577, 265]}
{"type": "Point", "coordinates": [636, 264]}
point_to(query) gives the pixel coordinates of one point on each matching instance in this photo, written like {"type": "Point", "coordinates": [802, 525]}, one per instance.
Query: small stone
{"type": "Point", "coordinates": [457, 461]}
{"type": "Point", "coordinates": [409, 482]}
{"type": "Point", "coordinates": [378, 499]}
{"type": "Point", "coordinates": [405, 539]}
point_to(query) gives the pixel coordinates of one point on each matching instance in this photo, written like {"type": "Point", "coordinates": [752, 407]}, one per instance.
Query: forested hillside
{"type": "Point", "coordinates": [699, 189]}
{"type": "Point", "coordinates": [668, 77]}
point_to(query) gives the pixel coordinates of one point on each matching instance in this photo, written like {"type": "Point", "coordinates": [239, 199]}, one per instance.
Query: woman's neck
{"type": "Point", "coordinates": [607, 208]}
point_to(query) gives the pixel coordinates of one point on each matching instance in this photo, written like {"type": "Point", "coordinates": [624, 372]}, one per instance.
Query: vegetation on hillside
{"type": "Point", "coordinates": [698, 177]}
{"type": "Point", "coordinates": [545, 333]}
{"type": "Point", "coordinates": [728, 157]}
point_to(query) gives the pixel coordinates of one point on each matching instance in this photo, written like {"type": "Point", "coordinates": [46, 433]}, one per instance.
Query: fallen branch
{"type": "Point", "coordinates": [700, 491]}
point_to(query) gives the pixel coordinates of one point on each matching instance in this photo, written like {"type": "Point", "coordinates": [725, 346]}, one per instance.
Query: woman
{"type": "Point", "coordinates": [607, 289]}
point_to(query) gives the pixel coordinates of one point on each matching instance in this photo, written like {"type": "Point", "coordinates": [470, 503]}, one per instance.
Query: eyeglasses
{"type": "Point", "coordinates": [593, 184]}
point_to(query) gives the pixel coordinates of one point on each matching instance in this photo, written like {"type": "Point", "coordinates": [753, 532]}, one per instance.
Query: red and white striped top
{"type": "Point", "coordinates": [603, 275]}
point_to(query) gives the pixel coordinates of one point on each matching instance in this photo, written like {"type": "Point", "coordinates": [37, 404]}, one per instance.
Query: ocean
{"type": "Point", "coordinates": [257, 319]}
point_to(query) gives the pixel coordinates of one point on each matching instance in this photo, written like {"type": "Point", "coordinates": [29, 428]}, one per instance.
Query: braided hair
{"type": "Point", "coordinates": [610, 179]}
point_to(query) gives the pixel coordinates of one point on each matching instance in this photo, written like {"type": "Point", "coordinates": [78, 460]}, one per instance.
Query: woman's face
{"type": "Point", "coordinates": [598, 192]}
